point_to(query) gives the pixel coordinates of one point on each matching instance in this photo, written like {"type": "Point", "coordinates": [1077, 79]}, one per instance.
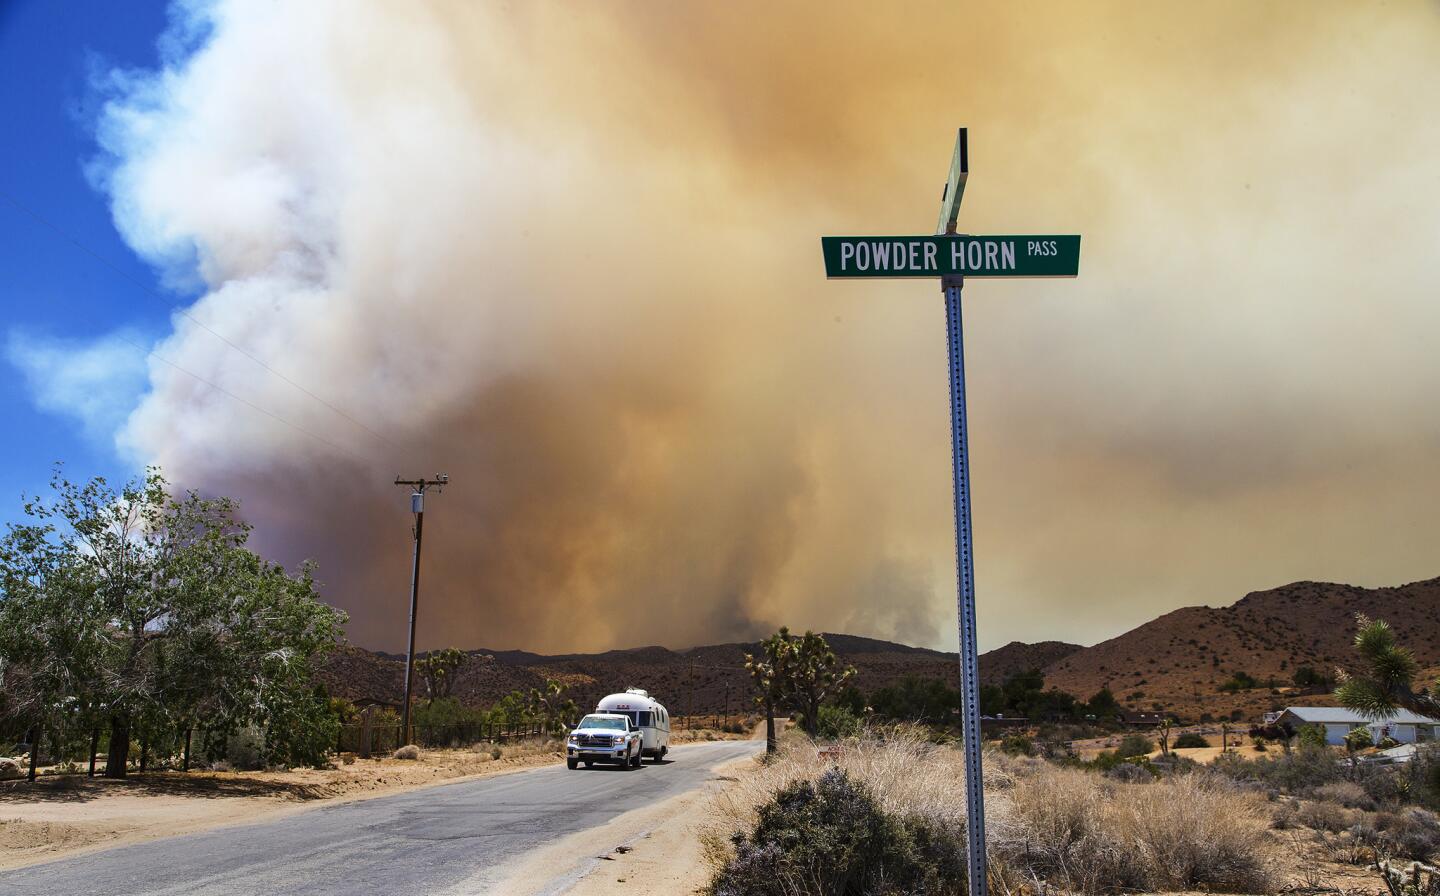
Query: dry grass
{"type": "Point", "coordinates": [1090, 834]}
{"type": "Point", "coordinates": [1048, 826]}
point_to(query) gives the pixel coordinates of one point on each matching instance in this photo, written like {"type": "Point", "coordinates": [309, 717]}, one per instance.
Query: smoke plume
{"type": "Point", "coordinates": [568, 254]}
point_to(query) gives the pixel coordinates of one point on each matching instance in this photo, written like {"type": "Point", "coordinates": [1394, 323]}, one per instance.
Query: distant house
{"type": "Point", "coordinates": [1139, 719]}
{"type": "Point", "coordinates": [1405, 726]}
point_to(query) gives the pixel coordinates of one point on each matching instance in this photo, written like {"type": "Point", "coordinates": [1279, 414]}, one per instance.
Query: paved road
{"type": "Point", "coordinates": [440, 838]}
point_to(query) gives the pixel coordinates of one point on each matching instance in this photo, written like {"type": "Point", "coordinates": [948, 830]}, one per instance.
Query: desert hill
{"type": "Point", "coordinates": [1181, 660]}
{"type": "Point", "coordinates": [1178, 662]}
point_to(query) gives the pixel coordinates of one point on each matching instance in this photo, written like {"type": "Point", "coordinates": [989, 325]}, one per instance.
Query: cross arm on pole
{"type": "Point", "coordinates": [438, 483]}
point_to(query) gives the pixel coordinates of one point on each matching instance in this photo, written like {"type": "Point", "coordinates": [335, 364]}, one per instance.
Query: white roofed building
{"type": "Point", "coordinates": [1405, 727]}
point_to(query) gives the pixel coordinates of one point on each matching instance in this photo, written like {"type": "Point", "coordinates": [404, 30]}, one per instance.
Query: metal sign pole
{"type": "Point", "coordinates": [952, 257]}
{"type": "Point", "coordinates": [965, 567]}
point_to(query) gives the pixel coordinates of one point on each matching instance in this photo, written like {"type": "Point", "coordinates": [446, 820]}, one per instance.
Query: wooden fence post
{"type": "Point", "coordinates": [185, 763]}
{"type": "Point", "coordinates": [94, 748]}
{"type": "Point", "coordinates": [34, 752]}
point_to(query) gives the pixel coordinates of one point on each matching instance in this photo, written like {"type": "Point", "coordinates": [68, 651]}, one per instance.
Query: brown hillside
{"type": "Point", "coordinates": [1180, 660]}
{"type": "Point", "coordinates": [1017, 656]}
{"type": "Point", "coordinates": [1177, 662]}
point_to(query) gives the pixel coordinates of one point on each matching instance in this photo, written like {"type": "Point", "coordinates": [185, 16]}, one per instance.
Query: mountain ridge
{"type": "Point", "coordinates": [1179, 661]}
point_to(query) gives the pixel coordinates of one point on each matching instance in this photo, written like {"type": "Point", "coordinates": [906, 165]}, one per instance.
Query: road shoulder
{"type": "Point", "coordinates": [655, 851]}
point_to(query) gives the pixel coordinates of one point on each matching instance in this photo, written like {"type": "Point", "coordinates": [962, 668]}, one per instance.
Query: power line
{"type": "Point", "coordinates": [245, 401]}
{"type": "Point", "coordinates": [184, 313]}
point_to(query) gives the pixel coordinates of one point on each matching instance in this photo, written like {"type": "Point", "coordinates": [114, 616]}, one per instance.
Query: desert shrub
{"type": "Point", "coordinates": [245, 749]}
{"type": "Point", "coordinates": [1299, 772]}
{"type": "Point", "coordinates": [1191, 740]}
{"type": "Point", "coordinates": [409, 751]}
{"type": "Point", "coordinates": [1411, 833]}
{"type": "Point", "coordinates": [1359, 738]}
{"type": "Point", "coordinates": [1258, 743]}
{"type": "Point", "coordinates": [1387, 743]}
{"type": "Point", "coordinates": [831, 838]}
{"type": "Point", "coordinates": [1017, 745]}
{"type": "Point", "coordinates": [10, 769]}
{"type": "Point", "coordinates": [1089, 835]}
{"type": "Point", "coordinates": [495, 752]}
{"type": "Point", "coordinates": [837, 722]}
{"type": "Point", "coordinates": [1346, 793]}
{"type": "Point", "coordinates": [1131, 773]}
{"type": "Point", "coordinates": [1330, 817]}
{"type": "Point", "coordinates": [1311, 736]}
{"type": "Point", "coordinates": [1134, 745]}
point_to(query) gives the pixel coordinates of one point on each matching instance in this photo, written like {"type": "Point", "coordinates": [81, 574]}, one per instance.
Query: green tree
{"type": "Point", "coordinates": [512, 710]}
{"type": "Point", "coordinates": [1103, 705]}
{"type": "Point", "coordinates": [1385, 683]}
{"type": "Point", "coordinates": [917, 699]}
{"type": "Point", "coordinates": [438, 668]}
{"type": "Point", "coordinates": [149, 611]}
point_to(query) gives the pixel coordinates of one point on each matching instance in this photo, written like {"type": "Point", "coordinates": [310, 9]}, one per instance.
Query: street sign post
{"type": "Point", "coordinates": [952, 258]}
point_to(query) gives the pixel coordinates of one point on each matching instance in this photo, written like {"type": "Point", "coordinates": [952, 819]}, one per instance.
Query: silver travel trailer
{"type": "Point", "coordinates": [646, 714]}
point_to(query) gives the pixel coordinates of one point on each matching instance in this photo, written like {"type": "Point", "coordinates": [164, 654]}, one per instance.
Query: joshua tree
{"type": "Point", "coordinates": [815, 674]}
{"type": "Point", "coordinates": [438, 669]}
{"type": "Point", "coordinates": [1385, 683]}
{"type": "Point", "coordinates": [1164, 737]}
{"type": "Point", "coordinates": [546, 705]}
{"type": "Point", "coordinates": [770, 673]}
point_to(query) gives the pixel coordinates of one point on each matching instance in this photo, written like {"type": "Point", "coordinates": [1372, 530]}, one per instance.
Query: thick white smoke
{"type": "Point", "coordinates": [570, 256]}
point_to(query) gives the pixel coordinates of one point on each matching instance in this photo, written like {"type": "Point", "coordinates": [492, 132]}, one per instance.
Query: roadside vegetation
{"type": "Point", "coordinates": [142, 620]}
{"type": "Point", "coordinates": [871, 805]}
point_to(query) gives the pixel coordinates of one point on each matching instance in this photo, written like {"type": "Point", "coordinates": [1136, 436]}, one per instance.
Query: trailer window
{"type": "Point", "coordinates": [645, 720]}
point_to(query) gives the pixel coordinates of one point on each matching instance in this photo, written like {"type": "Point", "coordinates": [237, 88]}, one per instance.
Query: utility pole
{"type": "Point", "coordinates": [417, 506]}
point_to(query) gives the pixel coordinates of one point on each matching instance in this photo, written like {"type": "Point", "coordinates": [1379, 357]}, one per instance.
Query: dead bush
{"type": "Point", "coordinates": [1412, 833]}
{"type": "Point", "coordinates": [1329, 817]}
{"type": "Point", "coordinates": [409, 751]}
{"type": "Point", "coordinates": [1072, 829]}
{"type": "Point", "coordinates": [1346, 793]}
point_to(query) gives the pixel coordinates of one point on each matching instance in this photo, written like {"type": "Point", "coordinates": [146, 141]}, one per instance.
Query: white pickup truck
{"type": "Point", "coordinates": [604, 737]}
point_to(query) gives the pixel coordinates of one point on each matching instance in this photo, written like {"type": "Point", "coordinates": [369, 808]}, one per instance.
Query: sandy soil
{"type": "Point", "coordinates": [64, 815]}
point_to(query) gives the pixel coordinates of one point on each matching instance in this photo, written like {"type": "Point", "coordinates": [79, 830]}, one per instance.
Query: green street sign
{"type": "Point", "coordinates": [946, 256]}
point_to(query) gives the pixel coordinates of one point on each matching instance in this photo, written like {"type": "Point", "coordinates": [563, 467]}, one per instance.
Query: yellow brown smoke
{"type": "Point", "coordinates": [569, 254]}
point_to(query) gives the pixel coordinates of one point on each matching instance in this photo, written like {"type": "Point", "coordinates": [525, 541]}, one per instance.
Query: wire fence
{"type": "Point", "coordinates": [84, 752]}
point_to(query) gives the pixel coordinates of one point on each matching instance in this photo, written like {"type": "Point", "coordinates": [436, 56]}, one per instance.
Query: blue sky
{"type": "Point", "coordinates": [51, 55]}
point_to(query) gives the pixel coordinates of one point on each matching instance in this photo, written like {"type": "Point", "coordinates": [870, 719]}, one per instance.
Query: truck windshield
{"type": "Point", "coordinates": [602, 722]}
